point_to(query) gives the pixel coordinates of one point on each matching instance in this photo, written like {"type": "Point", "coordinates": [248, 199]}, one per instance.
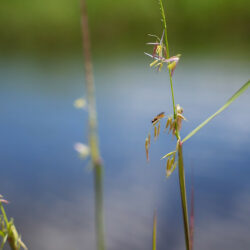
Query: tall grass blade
{"type": "Point", "coordinates": [234, 97]}
{"type": "Point", "coordinates": [154, 231]}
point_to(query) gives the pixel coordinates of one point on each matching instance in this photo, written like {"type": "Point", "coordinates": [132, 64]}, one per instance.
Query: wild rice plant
{"type": "Point", "coordinates": [161, 58]}
{"type": "Point", "coordinates": [93, 148]}
{"type": "Point", "coordinates": [8, 231]}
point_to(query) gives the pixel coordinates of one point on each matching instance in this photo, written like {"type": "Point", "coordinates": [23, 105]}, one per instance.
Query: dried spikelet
{"type": "Point", "coordinates": [172, 161]}
{"type": "Point", "coordinates": [146, 148]}
{"type": "Point", "coordinates": [149, 139]}
{"type": "Point", "coordinates": [179, 121]}
{"type": "Point", "coordinates": [179, 117]}
{"type": "Point", "coordinates": [174, 167]}
{"type": "Point", "coordinates": [179, 124]}
{"type": "Point", "coordinates": [171, 127]}
{"type": "Point", "coordinates": [168, 168]}
{"type": "Point", "coordinates": [174, 157]}
{"type": "Point", "coordinates": [171, 165]}
{"type": "Point", "coordinates": [147, 155]}
{"type": "Point", "coordinates": [155, 132]}
{"type": "Point", "coordinates": [173, 131]}
{"type": "Point", "coordinates": [168, 122]}
{"type": "Point", "coordinates": [158, 129]}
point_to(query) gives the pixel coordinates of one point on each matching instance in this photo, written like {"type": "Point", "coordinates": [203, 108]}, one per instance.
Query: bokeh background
{"type": "Point", "coordinates": [41, 72]}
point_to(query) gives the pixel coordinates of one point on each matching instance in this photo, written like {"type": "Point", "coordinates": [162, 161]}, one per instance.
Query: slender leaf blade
{"type": "Point", "coordinates": [230, 100]}
{"type": "Point", "coordinates": [168, 154]}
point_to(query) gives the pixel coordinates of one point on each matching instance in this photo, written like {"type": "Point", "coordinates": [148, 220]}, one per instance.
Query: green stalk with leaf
{"type": "Point", "coordinates": [8, 232]}
{"type": "Point", "coordinates": [161, 57]}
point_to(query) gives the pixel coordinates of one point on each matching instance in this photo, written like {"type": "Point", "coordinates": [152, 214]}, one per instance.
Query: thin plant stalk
{"type": "Point", "coordinates": [180, 156]}
{"type": "Point", "coordinates": [183, 196]}
{"type": "Point", "coordinates": [154, 232]}
{"type": "Point", "coordinates": [93, 136]}
{"type": "Point", "coordinates": [167, 51]}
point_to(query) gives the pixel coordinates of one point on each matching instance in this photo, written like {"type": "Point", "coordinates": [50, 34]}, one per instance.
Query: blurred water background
{"type": "Point", "coordinates": [41, 74]}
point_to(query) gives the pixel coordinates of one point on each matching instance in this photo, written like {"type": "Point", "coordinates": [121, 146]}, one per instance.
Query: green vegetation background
{"type": "Point", "coordinates": [54, 25]}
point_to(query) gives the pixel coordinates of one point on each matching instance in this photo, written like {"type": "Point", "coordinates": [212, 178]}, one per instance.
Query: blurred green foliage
{"type": "Point", "coordinates": [54, 25]}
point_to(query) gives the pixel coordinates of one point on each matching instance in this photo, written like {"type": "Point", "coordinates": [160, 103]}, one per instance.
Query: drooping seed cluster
{"type": "Point", "coordinates": [176, 123]}
{"type": "Point", "coordinates": [171, 162]}
{"type": "Point", "coordinates": [172, 125]}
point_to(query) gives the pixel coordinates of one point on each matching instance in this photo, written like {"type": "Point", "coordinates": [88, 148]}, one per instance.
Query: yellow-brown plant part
{"type": "Point", "coordinates": [158, 129]}
{"type": "Point", "coordinates": [158, 117]}
{"type": "Point", "coordinates": [155, 132]}
{"type": "Point", "coordinates": [147, 147]}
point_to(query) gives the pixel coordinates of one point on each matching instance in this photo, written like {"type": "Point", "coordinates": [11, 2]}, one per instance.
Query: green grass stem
{"type": "Point", "coordinates": [183, 197]}
{"type": "Point", "coordinates": [168, 55]}
{"type": "Point", "coordinates": [93, 135]}
{"type": "Point", "coordinates": [177, 134]}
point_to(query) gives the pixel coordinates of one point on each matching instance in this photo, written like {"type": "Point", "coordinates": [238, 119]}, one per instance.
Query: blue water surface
{"type": "Point", "coordinates": [50, 188]}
